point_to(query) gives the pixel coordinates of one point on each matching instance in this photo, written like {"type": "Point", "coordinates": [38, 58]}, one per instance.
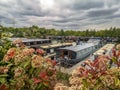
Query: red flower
{"type": "Point", "coordinates": [95, 63]}
{"type": "Point", "coordinates": [85, 73]}
{"type": "Point", "coordinates": [11, 54]}
{"type": "Point", "coordinates": [3, 87]}
{"type": "Point", "coordinates": [54, 62]}
{"type": "Point", "coordinates": [46, 83]}
{"type": "Point", "coordinates": [114, 52]}
{"type": "Point", "coordinates": [36, 80]}
{"type": "Point", "coordinates": [43, 74]}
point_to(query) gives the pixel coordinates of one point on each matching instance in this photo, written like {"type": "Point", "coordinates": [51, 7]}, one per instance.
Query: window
{"type": "Point", "coordinates": [73, 55]}
{"type": "Point", "coordinates": [65, 52]}
{"type": "Point", "coordinates": [48, 50]}
{"type": "Point", "coordinates": [31, 43]}
{"type": "Point", "coordinates": [51, 50]}
{"type": "Point", "coordinates": [27, 43]}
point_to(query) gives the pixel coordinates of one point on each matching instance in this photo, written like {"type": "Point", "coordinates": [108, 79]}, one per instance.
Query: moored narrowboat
{"type": "Point", "coordinates": [70, 55]}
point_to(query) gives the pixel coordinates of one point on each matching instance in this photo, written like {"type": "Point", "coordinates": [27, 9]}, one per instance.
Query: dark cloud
{"type": "Point", "coordinates": [84, 5]}
{"type": "Point", "coordinates": [102, 12]}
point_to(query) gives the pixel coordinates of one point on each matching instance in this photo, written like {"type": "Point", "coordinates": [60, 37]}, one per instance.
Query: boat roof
{"type": "Point", "coordinates": [29, 40]}
{"type": "Point", "coordinates": [77, 47]}
{"type": "Point", "coordinates": [55, 45]}
{"type": "Point", "coordinates": [94, 40]}
{"type": "Point", "coordinates": [106, 48]}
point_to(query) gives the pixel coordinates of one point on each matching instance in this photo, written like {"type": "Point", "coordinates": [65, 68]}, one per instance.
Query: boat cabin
{"type": "Point", "coordinates": [74, 54]}
{"type": "Point", "coordinates": [34, 43]}
{"type": "Point", "coordinates": [51, 48]}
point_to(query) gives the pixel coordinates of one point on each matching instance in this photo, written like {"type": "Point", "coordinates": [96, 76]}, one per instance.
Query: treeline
{"type": "Point", "coordinates": [37, 32]}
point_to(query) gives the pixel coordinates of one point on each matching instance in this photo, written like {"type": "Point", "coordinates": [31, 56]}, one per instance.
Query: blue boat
{"type": "Point", "coordinates": [71, 55]}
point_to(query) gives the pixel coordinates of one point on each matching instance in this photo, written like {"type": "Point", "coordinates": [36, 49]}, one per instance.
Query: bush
{"type": "Point", "coordinates": [25, 69]}
{"type": "Point", "coordinates": [100, 74]}
{"type": "Point", "coordinates": [5, 44]}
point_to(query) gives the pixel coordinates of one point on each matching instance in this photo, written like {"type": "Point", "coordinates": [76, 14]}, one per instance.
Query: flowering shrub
{"type": "Point", "coordinates": [25, 69]}
{"type": "Point", "coordinates": [100, 74]}
{"type": "Point", "coordinates": [5, 43]}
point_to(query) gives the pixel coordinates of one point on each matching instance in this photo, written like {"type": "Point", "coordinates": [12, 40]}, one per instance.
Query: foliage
{"type": "Point", "coordinates": [37, 32]}
{"type": "Point", "coordinates": [101, 74]}
{"type": "Point", "coordinates": [25, 69]}
{"type": "Point", "coordinates": [5, 43]}
{"type": "Point", "coordinates": [62, 77]}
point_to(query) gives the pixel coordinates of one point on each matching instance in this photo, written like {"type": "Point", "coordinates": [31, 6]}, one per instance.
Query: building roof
{"type": "Point", "coordinates": [78, 47]}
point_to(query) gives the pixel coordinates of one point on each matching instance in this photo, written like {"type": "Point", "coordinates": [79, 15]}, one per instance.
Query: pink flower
{"type": "Point", "coordinates": [28, 51]}
{"type": "Point", "coordinates": [40, 51]}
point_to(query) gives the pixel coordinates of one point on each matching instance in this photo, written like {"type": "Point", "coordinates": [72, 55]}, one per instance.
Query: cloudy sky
{"type": "Point", "coordinates": [61, 14]}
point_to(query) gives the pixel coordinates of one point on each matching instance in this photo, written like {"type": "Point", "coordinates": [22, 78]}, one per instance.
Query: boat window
{"type": "Point", "coordinates": [38, 42]}
{"type": "Point", "coordinates": [24, 43]}
{"type": "Point", "coordinates": [65, 52]}
{"type": "Point", "coordinates": [78, 54]}
{"type": "Point", "coordinates": [73, 55]}
{"type": "Point", "coordinates": [57, 53]}
{"type": "Point", "coordinates": [31, 43]}
{"type": "Point", "coordinates": [81, 52]}
{"type": "Point", "coordinates": [51, 50]}
{"type": "Point", "coordinates": [49, 41]}
{"type": "Point", "coordinates": [85, 50]}
{"type": "Point", "coordinates": [35, 43]}
{"type": "Point", "coordinates": [28, 43]}
{"type": "Point", "coordinates": [48, 50]}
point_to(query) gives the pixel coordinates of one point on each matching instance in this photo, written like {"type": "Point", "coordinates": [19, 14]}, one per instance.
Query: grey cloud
{"type": "Point", "coordinates": [84, 5]}
{"type": "Point", "coordinates": [113, 16]}
{"type": "Point", "coordinates": [102, 12]}
{"type": "Point", "coordinates": [80, 4]}
{"type": "Point", "coordinates": [68, 14]}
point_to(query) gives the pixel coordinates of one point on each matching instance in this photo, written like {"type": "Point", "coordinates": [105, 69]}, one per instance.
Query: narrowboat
{"type": "Point", "coordinates": [105, 50]}
{"type": "Point", "coordinates": [69, 56]}
{"type": "Point", "coordinates": [51, 48]}
{"type": "Point", "coordinates": [33, 43]}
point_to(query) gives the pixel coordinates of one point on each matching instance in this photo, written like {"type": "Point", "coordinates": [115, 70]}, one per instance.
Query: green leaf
{"type": "Point", "coordinates": [31, 70]}
{"type": "Point", "coordinates": [26, 64]}
{"type": "Point", "coordinates": [30, 81]}
{"type": "Point", "coordinates": [3, 63]}
{"type": "Point", "coordinates": [2, 80]}
{"type": "Point", "coordinates": [117, 81]}
{"type": "Point", "coordinates": [114, 59]}
{"type": "Point", "coordinates": [12, 81]}
{"type": "Point", "coordinates": [9, 64]}
{"type": "Point", "coordinates": [85, 83]}
{"type": "Point", "coordinates": [46, 85]}
{"type": "Point", "coordinates": [84, 88]}
{"type": "Point", "coordinates": [39, 86]}
{"type": "Point", "coordinates": [3, 75]}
